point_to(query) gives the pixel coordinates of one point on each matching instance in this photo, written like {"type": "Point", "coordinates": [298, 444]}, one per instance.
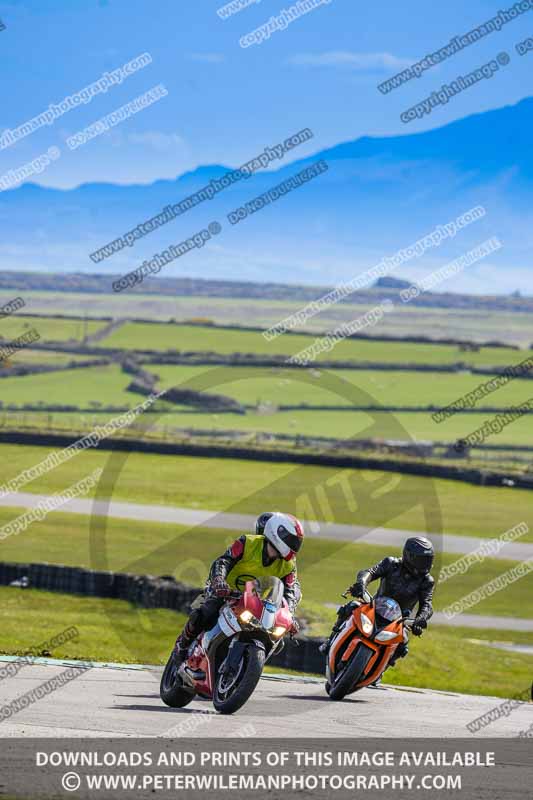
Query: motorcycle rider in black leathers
{"type": "Point", "coordinates": [407, 580]}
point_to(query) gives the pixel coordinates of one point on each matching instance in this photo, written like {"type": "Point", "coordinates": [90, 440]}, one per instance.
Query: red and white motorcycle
{"type": "Point", "coordinates": [225, 663]}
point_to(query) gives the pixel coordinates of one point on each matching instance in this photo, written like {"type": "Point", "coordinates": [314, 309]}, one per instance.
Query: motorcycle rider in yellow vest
{"type": "Point", "coordinates": [270, 552]}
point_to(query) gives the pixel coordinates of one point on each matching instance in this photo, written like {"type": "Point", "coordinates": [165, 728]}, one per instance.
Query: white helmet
{"type": "Point", "coordinates": [285, 533]}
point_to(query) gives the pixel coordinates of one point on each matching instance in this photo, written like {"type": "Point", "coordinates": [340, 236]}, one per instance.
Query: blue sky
{"type": "Point", "coordinates": [225, 103]}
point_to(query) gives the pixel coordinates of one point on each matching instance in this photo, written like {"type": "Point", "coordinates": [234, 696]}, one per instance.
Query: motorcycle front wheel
{"type": "Point", "coordinates": [343, 682]}
{"type": "Point", "coordinates": [171, 690]}
{"type": "Point", "coordinates": [232, 692]}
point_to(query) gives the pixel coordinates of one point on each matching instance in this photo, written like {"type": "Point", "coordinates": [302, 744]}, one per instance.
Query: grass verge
{"type": "Point", "coordinates": [378, 498]}
{"type": "Point", "coordinates": [325, 567]}
{"type": "Point", "coordinates": [114, 630]}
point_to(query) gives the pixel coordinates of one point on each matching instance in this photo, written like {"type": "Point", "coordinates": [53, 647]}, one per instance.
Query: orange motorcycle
{"type": "Point", "coordinates": [363, 647]}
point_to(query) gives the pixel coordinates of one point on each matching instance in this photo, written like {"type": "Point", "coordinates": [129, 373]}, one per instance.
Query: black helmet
{"type": "Point", "coordinates": [261, 521]}
{"type": "Point", "coordinates": [418, 555]}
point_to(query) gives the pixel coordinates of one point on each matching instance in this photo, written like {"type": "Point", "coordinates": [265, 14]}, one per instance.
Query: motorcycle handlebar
{"type": "Point", "coordinates": [230, 596]}
{"type": "Point", "coordinates": [407, 620]}
{"type": "Point", "coordinates": [366, 599]}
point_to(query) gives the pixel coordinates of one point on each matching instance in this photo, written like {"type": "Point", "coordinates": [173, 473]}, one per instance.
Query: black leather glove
{"type": "Point", "coordinates": [419, 625]}
{"type": "Point", "coordinates": [220, 587]}
{"type": "Point", "coordinates": [357, 590]}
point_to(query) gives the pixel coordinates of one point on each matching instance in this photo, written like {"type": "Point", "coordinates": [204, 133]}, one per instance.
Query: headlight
{"type": "Point", "coordinates": [279, 630]}
{"type": "Point", "coordinates": [367, 624]}
{"type": "Point", "coordinates": [246, 616]}
{"type": "Point", "coordinates": [385, 636]}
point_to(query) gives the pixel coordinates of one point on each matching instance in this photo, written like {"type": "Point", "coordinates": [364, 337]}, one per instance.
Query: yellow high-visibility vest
{"type": "Point", "coordinates": [251, 565]}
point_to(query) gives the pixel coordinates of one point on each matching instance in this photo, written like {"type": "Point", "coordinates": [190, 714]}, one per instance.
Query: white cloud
{"type": "Point", "coordinates": [156, 140]}
{"type": "Point", "coordinates": [207, 58]}
{"type": "Point", "coordinates": [357, 61]}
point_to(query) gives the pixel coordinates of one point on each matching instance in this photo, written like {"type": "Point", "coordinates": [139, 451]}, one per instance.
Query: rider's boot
{"type": "Point", "coordinates": [180, 653]}
{"type": "Point", "coordinates": [400, 652]}
{"type": "Point", "coordinates": [324, 647]}
{"type": "Point", "coordinates": [183, 642]}
{"type": "Point", "coordinates": [342, 615]}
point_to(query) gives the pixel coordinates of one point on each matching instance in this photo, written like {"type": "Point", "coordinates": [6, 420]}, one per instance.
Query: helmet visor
{"type": "Point", "coordinates": [292, 541]}
{"type": "Point", "coordinates": [421, 564]}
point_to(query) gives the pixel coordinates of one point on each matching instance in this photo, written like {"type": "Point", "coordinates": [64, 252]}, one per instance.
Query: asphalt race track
{"type": "Point", "coordinates": [112, 701]}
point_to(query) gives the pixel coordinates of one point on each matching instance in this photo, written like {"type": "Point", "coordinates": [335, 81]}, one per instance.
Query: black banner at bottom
{"type": "Point", "coordinates": [252, 767]}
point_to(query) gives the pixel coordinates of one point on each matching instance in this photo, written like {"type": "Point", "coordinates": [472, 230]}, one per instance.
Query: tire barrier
{"type": "Point", "coordinates": [146, 591]}
{"type": "Point", "coordinates": [303, 658]}
{"type": "Point", "coordinates": [143, 590]}
{"type": "Point", "coordinates": [478, 477]}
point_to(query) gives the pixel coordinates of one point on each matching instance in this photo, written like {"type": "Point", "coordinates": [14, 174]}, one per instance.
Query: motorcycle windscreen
{"type": "Point", "coordinates": [270, 590]}
{"type": "Point", "coordinates": [387, 608]}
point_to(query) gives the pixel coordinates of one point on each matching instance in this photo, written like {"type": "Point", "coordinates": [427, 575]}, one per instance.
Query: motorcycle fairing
{"type": "Point", "coordinates": [352, 631]}
{"type": "Point", "coordinates": [228, 622]}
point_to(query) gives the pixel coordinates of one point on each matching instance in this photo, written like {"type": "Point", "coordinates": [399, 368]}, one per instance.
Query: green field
{"type": "Point", "coordinates": [50, 329]}
{"type": "Point", "coordinates": [55, 357]}
{"type": "Point", "coordinates": [104, 385]}
{"type": "Point", "coordinates": [397, 425]}
{"type": "Point", "coordinates": [115, 631]}
{"type": "Point", "coordinates": [326, 567]}
{"type": "Point", "coordinates": [263, 390]}
{"type": "Point", "coordinates": [260, 385]}
{"type": "Point", "coordinates": [445, 658]}
{"type": "Point", "coordinates": [469, 325]}
{"type": "Point", "coordinates": [196, 338]}
{"type": "Point", "coordinates": [380, 498]}
{"type": "Point", "coordinates": [109, 630]}
{"type": "Point", "coordinates": [255, 428]}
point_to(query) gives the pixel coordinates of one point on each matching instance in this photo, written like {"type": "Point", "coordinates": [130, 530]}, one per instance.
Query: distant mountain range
{"type": "Point", "coordinates": [84, 283]}
{"type": "Point", "coordinates": [379, 195]}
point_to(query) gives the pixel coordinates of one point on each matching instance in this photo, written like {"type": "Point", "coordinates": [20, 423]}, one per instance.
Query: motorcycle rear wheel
{"type": "Point", "coordinates": [252, 669]}
{"type": "Point", "coordinates": [171, 690]}
{"type": "Point", "coordinates": [351, 674]}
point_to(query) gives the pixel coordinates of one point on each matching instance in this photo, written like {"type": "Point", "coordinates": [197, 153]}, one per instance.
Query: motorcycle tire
{"type": "Point", "coordinates": [251, 672]}
{"type": "Point", "coordinates": [171, 690]}
{"type": "Point", "coordinates": [351, 674]}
